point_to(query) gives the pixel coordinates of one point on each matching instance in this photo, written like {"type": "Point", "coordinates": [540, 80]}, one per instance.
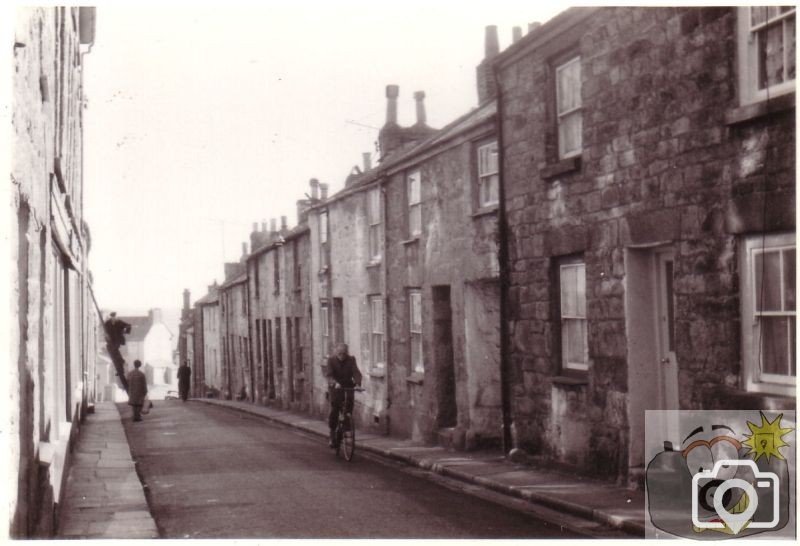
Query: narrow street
{"type": "Point", "coordinates": [213, 473]}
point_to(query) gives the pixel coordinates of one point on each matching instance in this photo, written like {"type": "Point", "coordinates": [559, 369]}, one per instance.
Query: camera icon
{"type": "Point", "coordinates": [736, 520]}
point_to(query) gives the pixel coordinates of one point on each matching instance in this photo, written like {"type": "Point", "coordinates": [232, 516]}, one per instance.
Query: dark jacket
{"type": "Point", "coordinates": [115, 331]}
{"type": "Point", "coordinates": [345, 372]}
{"type": "Point", "coordinates": [137, 388]}
{"type": "Point", "coordinates": [184, 373]}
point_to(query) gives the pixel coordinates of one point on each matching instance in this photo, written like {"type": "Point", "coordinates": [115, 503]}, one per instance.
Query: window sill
{"type": "Point", "coordinates": [732, 398]}
{"type": "Point", "coordinates": [485, 211]}
{"type": "Point", "coordinates": [416, 378]}
{"type": "Point", "coordinates": [760, 109]}
{"type": "Point", "coordinates": [564, 166]}
{"type": "Point", "coordinates": [323, 270]}
{"type": "Point", "coordinates": [377, 373]}
{"type": "Point", "coordinates": [572, 380]}
{"type": "Point", "coordinates": [414, 239]}
{"type": "Point", "coordinates": [373, 263]}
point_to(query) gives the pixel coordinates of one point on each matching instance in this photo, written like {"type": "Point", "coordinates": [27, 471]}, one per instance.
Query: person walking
{"type": "Point", "coordinates": [184, 374]}
{"type": "Point", "coordinates": [342, 372]}
{"type": "Point", "coordinates": [115, 338]}
{"type": "Point", "coordinates": [137, 390]}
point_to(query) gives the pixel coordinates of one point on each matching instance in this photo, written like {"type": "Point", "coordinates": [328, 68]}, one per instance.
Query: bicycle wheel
{"type": "Point", "coordinates": [349, 438]}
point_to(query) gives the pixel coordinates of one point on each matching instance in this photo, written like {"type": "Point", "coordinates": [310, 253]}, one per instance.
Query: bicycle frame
{"type": "Point", "coordinates": [345, 424]}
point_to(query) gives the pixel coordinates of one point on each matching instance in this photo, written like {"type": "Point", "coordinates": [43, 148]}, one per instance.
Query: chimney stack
{"type": "Point", "coordinates": [314, 183]}
{"type": "Point", "coordinates": [323, 191]}
{"type": "Point", "coordinates": [533, 26]}
{"type": "Point", "coordinates": [186, 298]}
{"type": "Point", "coordinates": [491, 44]}
{"type": "Point", "coordinates": [284, 224]}
{"type": "Point", "coordinates": [392, 92]}
{"type": "Point", "coordinates": [487, 88]}
{"type": "Point", "coordinates": [516, 34]}
{"type": "Point", "coordinates": [155, 315]}
{"type": "Point", "coordinates": [255, 227]}
{"type": "Point", "coordinates": [367, 157]}
{"type": "Point", "coordinates": [419, 98]}
{"type": "Point", "coordinates": [263, 226]}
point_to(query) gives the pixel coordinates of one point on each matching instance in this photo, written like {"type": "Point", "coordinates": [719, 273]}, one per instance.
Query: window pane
{"type": "Point", "coordinates": [575, 341]}
{"type": "Point", "coordinates": [374, 241]}
{"type": "Point", "coordinates": [758, 15]}
{"type": "Point", "coordinates": [788, 279]}
{"type": "Point", "coordinates": [570, 130]}
{"type": "Point", "coordinates": [568, 284]}
{"type": "Point", "coordinates": [487, 159]}
{"type": "Point", "coordinates": [580, 290]}
{"type": "Point", "coordinates": [775, 345]}
{"type": "Point", "coordinates": [569, 86]}
{"type": "Point", "coordinates": [416, 351]}
{"type": "Point", "coordinates": [413, 188]}
{"type": "Point", "coordinates": [768, 292]}
{"type": "Point", "coordinates": [416, 312]}
{"type": "Point", "coordinates": [770, 56]}
{"type": "Point", "coordinates": [415, 220]}
{"type": "Point", "coordinates": [374, 205]}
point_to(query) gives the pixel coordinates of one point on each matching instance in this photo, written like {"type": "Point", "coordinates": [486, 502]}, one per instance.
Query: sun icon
{"type": "Point", "coordinates": [767, 439]}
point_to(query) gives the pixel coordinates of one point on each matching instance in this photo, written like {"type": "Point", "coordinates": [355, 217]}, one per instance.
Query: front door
{"type": "Point", "coordinates": [650, 331]}
{"type": "Point", "coordinates": [667, 367]}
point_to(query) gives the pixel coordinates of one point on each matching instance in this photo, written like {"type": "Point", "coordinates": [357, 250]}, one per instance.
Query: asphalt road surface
{"type": "Point", "coordinates": [215, 473]}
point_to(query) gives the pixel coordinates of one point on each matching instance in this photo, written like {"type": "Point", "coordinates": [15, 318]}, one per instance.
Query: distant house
{"type": "Point", "coordinates": [150, 341]}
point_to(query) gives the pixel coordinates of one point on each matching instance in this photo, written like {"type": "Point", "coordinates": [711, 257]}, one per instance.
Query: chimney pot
{"type": "Point", "coordinates": [263, 225]}
{"type": "Point", "coordinates": [273, 225]}
{"type": "Point", "coordinates": [284, 224]}
{"type": "Point", "coordinates": [419, 97]}
{"type": "Point", "coordinates": [516, 34]}
{"type": "Point", "coordinates": [491, 45]}
{"type": "Point", "coordinates": [367, 161]}
{"type": "Point", "coordinates": [323, 190]}
{"type": "Point", "coordinates": [314, 183]}
{"type": "Point", "coordinates": [392, 92]}
{"type": "Point", "coordinates": [186, 298]}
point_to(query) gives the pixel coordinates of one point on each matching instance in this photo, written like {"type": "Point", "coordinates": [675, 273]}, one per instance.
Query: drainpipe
{"type": "Point", "coordinates": [502, 228]}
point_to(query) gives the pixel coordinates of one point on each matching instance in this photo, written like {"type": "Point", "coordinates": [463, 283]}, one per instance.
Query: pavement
{"type": "Point", "coordinates": [104, 497]}
{"type": "Point", "coordinates": [617, 507]}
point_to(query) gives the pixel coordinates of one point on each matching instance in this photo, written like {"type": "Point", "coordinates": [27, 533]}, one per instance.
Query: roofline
{"type": "Point", "coordinates": [410, 156]}
{"type": "Point", "coordinates": [532, 40]}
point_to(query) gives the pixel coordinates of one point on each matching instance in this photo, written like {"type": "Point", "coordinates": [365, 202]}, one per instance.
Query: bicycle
{"type": "Point", "coordinates": [345, 434]}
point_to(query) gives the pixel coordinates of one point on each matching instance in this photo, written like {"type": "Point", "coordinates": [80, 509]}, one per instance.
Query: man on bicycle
{"type": "Point", "coordinates": [342, 373]}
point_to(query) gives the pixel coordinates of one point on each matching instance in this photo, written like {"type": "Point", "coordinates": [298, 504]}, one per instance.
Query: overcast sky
{"type": "Point", "coordinates": [203, 118]}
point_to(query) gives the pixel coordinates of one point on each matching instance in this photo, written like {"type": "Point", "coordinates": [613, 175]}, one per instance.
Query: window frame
{"type": "Point", "coordinates": [558, 66]}
{"type": "Point", "coordinates": [490, 175]}
{"type": "Point", "coordinates": [323, 239]}
{"type": "Point", "coordinates": [414, 206]}
{"type": "Point", "coordinates": [748, 64]}
{"type": "Point", "coordinates": [415, 335]}
{"type": "Point", "coordinates": [377, 333]}
{"type": "Point", "coordinates": [566, 365]}
{"type": "Point", "coordinates": [324, 326]}
{"type": "Point", "coordinates": [753, 379]}
{"type": "Point", "coordinates": [375, 224]}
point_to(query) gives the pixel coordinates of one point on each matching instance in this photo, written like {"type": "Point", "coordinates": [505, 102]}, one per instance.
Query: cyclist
{"type": "Point", "coordinates": [342, 373]}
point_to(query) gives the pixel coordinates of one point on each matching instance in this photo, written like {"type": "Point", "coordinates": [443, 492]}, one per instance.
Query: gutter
{"type": "Point", "coordinates": [502, 229]}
